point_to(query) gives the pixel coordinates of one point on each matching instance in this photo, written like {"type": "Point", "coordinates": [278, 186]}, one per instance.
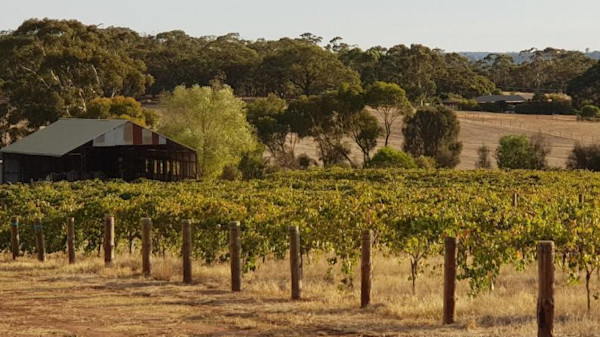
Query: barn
{"type": "Point", "coordinates": [79, 149]}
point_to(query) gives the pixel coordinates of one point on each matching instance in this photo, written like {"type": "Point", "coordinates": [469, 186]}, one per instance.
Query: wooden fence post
{"type": "Point", "coordinates": [515, 200]}
{"type": "Point", "coordinates": [14, 224]}
{"type": "Point", "coordinates": [186, 252]}
{"type": "Point", "coordinates": [71, 239]}
{"type": "Point", "coordinates": [109, 239]}
{"type": "Point", "coordinates": [581, 198]}
{"type": "Point", "coordinates": [235, 252]}
{"type": "Point", "coordinates": [295, 262]}
{"type": "Point", "coordinates": [545, 303]}
{"type": "Point", "coordinates": [366, 266]}
{"type": "Point", "coordinates": [449, 281]}
{"type": "Point", "coordinates": [40, 245]}
{"type": "Point", "coordinates": [146, 246]}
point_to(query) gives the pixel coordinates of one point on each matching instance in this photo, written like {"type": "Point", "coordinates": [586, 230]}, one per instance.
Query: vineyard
{"type": "Point", "coordinates": [410, 213]}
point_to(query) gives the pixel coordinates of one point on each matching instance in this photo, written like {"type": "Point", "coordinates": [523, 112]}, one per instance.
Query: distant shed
{"type": "Point", "coordinates": [78, 149]}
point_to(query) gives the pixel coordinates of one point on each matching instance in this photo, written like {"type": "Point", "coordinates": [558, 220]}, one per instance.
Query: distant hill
{"type": "Point", "coordinates": [517, 56]}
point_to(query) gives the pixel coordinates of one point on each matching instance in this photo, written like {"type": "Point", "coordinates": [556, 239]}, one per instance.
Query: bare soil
{"type": "Point", "coordinates": [55, 299]}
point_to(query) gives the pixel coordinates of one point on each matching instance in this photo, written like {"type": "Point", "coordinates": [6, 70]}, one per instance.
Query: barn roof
{"type": "Point", "coordinates": [61, 137]}
{"type": "Point", "coordinates": [500, 98]}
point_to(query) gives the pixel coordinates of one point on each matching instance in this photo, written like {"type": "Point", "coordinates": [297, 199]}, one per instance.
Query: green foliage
{"type": "Point", "coordinates": [433, 132]}
{"type": "Point", "coordinates": [585, 88]}
{"type": "Point", "coordinates": [547, 69]}
{"type": "Point", "coordinates": [365, 131]}
{"type": "Point", "coordinates": [390, 103]}
{"type": "Point", "coordinates": [410, 211]}
{"type": "Point", "coordinates": [54, 68]}
{"type": "Point", "coordinates": [300, 67]}
{"type": "Point", "coordinates": [589, 111]}
{"type": "Point", "coordinates": [584, 157]}
{"type": "Point", "coordinates": [304, 161]}
{"type": "Point", "coordinates": [521, 152]}
{"type": "Point", "coordinates": [424, 162]}
{"type": "Point", "coordinates": [388, 157]}
{"type": "Point", "coordinates": [327, 118]}
{"type": "Point", "coordinates": [252, 164]}
{"type": "Point", "coordinates": [210, 120]}
{"type": "Point", "coordinates": [120, 107]}
{"type": "Point", "coordinates": [272, 123]}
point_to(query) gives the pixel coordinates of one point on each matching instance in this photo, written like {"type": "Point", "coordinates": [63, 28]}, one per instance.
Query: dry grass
{"type": "Point", "coordinates": [88, 299]}
{"type": "Point", "coordinates": [479, 128]}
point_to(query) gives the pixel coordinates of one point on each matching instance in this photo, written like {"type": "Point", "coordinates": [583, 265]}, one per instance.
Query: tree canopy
{"type": "Point", "coordinates": [433, 132]}
{"type": "Point", "coordinates": [210, 120]}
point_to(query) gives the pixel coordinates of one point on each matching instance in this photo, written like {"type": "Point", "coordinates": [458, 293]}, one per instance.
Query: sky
{"type": "Point", "coordinates": [452, 25]}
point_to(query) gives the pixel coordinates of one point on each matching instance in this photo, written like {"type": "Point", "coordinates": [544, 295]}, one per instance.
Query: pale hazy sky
{"type": "Point", "coordinates": [459, 25]}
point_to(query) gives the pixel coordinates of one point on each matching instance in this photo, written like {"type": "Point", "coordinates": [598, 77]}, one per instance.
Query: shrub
{"type": "Point", "coordinates": [387, 157]}
{"type": "Point", "coordinates": [425, 162]}
{"type": "Point", "coordinates": [483, 158]}
{"type": "Point", "coordinates": [585, 157]}
{"type": "Point", "coordinates": [304, 161]}
{"type": "Point", "coordinates": [520, 152]}
{"type": "Point", "coordinates": [589, 111]}
{"type": "Point", "coordinates": [469, 105]}
{"type": "Point", "coordinates": [231, 172]}
{"type": "Point", "coordinates": [252, 165]}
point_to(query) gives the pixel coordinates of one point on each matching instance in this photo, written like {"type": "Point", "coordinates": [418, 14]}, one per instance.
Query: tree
{"type": "Point", "coordinates": [54, 68]}
{"type": "Point", "coordinates": [457, 76]}
{"type": "Point", "coordinates": [433, 132]}
{"type": "Point", "coordinates": [300, 67]}
{"type": "Point", "coordinates": [413, 69]}
{"type": "Point", "coordinates": [365, 131]}
{"type": "Point", "coordinates": [521, 152]}
{"type": "Point", "coordinates": [387, 157]}
{"type": "Point", "coordinates": [585, 88]}
{"type": "Point", "coordinates": [210, 120]}
{"type": "Point", "coordinates": [499, 68]}
{"type": "Point", "coordinates": [327, 119]}
{"type": "Point", "coordinates": [390, 103]}
{"type": "Point", "coordinates": [272, 122]}
{"type": "Point", "coordinates": [483, 158]}
{"type": "Point", "coordinates": [120, 107]}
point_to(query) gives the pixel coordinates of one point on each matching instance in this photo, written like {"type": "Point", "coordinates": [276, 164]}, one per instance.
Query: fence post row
{"type": "Point", "coordinates": [235, 250]}
{"type": "Point", "coordinates": [146, 246]}
{"type": "Point", "coordinates": [545, 249]}
{"type": "Point", "coordinates": [295, 262]}
{"type": "Point", "coordinates": [40, 245]}
{"type": "Point", "coordinates": [14, 226]}
{"type": "Point", "coordinates": [109, 239]}
{"type": "Point", "coordinates": [187, 251]}
{"type": "Point", "coordinates": [449, 280]}
{"type": "Point", "coordinates": [545, 302]}
{"type": "Point", "coordinates": [366, 266]}
{"type": "Point", "coordinates": [71, 239]}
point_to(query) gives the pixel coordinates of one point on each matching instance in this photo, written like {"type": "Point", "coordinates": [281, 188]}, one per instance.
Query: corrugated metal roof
{"type": "Point", "coordinates": [500, 98]}
{"type": "Point", "coordinates": [61, 137]}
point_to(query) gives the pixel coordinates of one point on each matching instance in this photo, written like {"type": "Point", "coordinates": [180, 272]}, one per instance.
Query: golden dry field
{"type": "Point", "coordinates": [478, 128]}
{"type": "Point", "coordinates": [87, 299]}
